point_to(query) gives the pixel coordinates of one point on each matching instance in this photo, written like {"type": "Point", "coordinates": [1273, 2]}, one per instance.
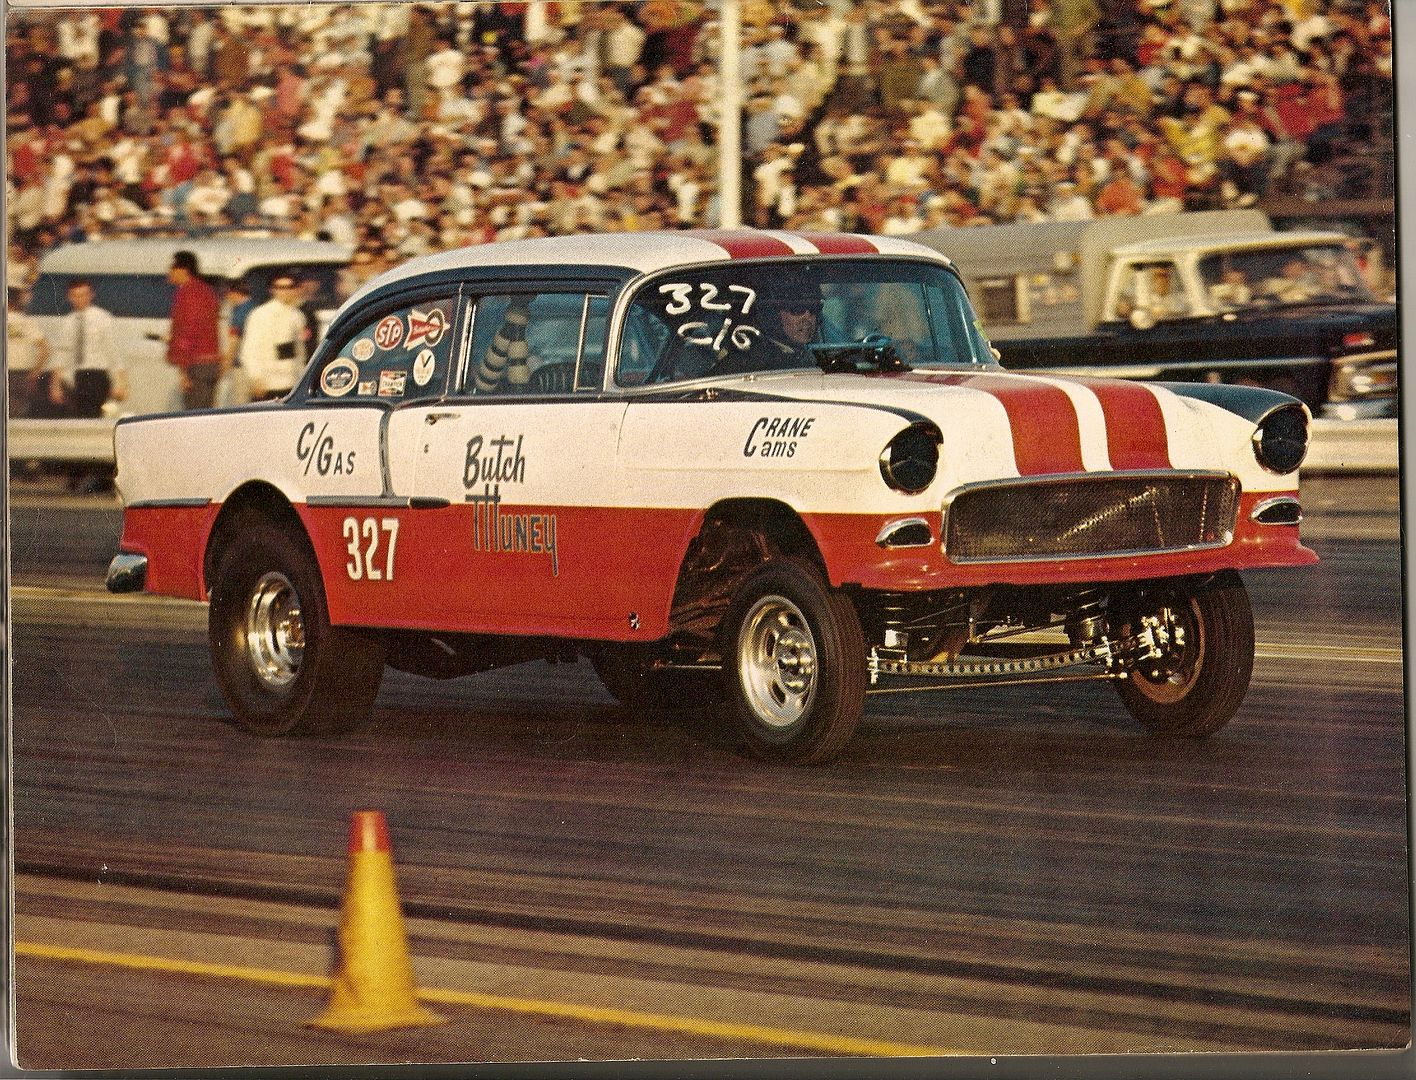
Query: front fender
{"type": "Point", "coordinates": [1252, 403]}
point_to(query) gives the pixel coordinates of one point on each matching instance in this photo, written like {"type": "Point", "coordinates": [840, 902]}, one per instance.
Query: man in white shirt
{"type": "Point", "coordinates": [26, 353]}
{"type": "Point", "coordinates": [87, 371]}
{"type": "Point", "coordinates": [272, 343]}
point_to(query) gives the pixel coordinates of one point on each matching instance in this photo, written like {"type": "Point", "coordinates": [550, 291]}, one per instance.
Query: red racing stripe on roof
{"type": "Point", "coordinates": [743, 243]}
{"type": "Point", "coordinates": [840, 243]}
{"type": "Point", "coordinates": [1136, 437]}
{"type": "Point", "coordinates": [1047, 437]}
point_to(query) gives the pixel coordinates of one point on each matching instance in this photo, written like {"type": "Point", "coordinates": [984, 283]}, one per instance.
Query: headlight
{"type": "Point", "coordinates": [1281, 439]}
{"type": "Point", "coordinates": [910, 460]}
{"type": "Point", "coordinates": [1357, 377]}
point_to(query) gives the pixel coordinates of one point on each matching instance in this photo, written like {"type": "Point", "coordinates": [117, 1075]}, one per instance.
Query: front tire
{"type": "Point", "coordinates": [793, 664]}
{"type": "Point", "coordinates": [282, 667]}
{"type": "Point", "coordinates": [1198, 686]}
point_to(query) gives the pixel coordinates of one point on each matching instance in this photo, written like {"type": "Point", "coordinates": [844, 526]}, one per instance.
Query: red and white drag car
{"type": "Point", "coordinates": [760, 471]}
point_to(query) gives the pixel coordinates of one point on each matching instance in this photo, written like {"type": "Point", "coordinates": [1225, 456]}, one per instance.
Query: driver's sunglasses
{"type": "Point", "coordinates": [801, 309]}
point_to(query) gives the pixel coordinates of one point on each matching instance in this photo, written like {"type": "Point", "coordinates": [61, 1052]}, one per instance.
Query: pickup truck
{"type": "Point", "coordinates": [1214, 297]}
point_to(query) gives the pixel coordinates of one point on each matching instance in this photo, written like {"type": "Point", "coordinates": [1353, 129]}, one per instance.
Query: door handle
{"type": "Point", "coordinates": [433, 417]}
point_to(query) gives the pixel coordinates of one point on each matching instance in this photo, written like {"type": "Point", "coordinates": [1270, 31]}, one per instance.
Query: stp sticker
{"type": "Point", "coordinates": [339, 377]}
{"type": "Point", "coordinates": [389, 332]}
{"type": "Point", "coordinates": [363, 349]}
{"type": "Point", "coordinates": [426, 328]}
{"type": "Point", "coordinates": [392, 383]}
{"type": "Point", "coordinates": [423, 365]}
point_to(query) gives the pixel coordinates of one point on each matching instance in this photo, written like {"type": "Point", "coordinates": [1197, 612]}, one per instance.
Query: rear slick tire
{"type": "Point", "coordinates": [793, 664]}
{"type": "Point", "coordinates": [282, 667]}
{"type": "Point", "coordinates": [1202, 684]}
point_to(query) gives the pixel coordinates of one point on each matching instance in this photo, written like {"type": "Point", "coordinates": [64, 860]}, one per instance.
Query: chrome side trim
{"type": "Point", "coordinates": [127, 572]}
{"type": "Point", "coordinates": [167, 504]}
{"type": "Point", "coordinates": [1281, 510]}
{"type": "Point", "coordinates": [355, 501]}
{"type": "Point", "coordinates": [893, 528]}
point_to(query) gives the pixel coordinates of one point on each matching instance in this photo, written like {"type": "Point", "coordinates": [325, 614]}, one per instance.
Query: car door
{"type": "Point", "coordinates": [395, 354]}
{"type": "Point", "coordinates": [516, 472]}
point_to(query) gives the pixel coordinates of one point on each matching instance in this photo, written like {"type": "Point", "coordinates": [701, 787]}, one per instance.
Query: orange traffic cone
{"type": "Point", "coordinates": [373, 986]}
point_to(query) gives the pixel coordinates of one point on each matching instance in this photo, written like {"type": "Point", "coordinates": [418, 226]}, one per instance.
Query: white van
{"type": "Point", "coordinates": [130, 281]}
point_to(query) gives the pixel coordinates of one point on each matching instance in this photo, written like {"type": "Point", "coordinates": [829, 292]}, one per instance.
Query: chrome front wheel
{"type": "Point", "coordinates": [1204, 634]}
{"type": "Point", "coordinates": [794, 660]}
{"type": "Point", "coordinates": [777, 661]}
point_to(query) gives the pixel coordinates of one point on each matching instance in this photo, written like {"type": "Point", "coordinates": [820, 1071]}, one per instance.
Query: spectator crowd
{"type": "Point", "coordinates": [402, 129]}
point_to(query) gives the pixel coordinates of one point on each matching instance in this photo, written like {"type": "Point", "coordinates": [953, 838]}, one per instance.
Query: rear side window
{"type": "Point", "coordinates": [547, 343]}
{"type": "Point", "coordinates": [398, 355]}
{"type": "Point", "coordinates": [127, 296]}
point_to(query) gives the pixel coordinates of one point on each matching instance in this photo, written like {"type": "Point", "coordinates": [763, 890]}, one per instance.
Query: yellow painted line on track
{"type": "Point", "coordinates": [591, 1014]}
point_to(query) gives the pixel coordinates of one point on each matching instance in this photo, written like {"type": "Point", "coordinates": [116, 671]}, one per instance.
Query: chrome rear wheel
{"type": "Point", "coordinates": [275, 631]}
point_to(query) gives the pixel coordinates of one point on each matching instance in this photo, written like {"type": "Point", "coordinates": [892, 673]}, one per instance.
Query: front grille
{"type": "Point", "coordinates": [1090, 516]}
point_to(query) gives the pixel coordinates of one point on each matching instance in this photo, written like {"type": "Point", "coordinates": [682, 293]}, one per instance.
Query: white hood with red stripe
{"type": "Point", "coordinates": [997, 424]}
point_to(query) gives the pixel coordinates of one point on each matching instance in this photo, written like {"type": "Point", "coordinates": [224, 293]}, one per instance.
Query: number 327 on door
{"type": "Point", "coordinates": [371, 544]}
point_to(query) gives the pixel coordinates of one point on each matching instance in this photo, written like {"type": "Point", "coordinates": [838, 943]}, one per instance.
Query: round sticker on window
{"type": "Point", "coordinates": [339, 378]}
{"type": "Point", "coordinates": [423, 365]}
{"type": "Point", "coordinates": [363, 349]}
{"type": "Point", "coordinates": [389, 332]}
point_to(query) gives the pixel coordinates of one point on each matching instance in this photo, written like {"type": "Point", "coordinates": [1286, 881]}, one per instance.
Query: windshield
{"type": "Point", "coordinates": [1318, 273]}
{"type": "Point", "coordinates": [730, 320]}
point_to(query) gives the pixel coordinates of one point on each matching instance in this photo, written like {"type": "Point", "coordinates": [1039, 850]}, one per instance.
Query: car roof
{"type": "Point", "coordinates": [647, 252]}
{"type": "Point", "coordinates": [224, 256]}
{"type": "Point", "coordinates": [1204, 245]}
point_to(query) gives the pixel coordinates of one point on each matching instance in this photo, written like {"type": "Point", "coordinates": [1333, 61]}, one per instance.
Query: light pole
{"type": "Point", "coordinates": [730, 116]}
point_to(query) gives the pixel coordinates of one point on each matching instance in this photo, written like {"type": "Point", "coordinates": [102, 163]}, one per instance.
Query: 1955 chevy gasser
{"type": "Point", "coordinates": [758, 471]}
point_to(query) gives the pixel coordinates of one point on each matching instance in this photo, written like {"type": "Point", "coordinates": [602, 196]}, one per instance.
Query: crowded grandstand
{"type": "Point", "coordinates": [402, 129]}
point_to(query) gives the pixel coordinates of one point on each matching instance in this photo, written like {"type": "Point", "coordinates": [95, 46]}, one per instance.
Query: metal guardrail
{"type": "Point", "coordinates": [61, 440]}
{"type": "Point", "coordinates": [1339, 446]}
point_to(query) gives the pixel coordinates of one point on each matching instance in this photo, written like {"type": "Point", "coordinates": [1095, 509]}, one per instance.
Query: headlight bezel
{"type": "Point", "coordinates": [909, 462]}
{"type": "Point", "coordinates": [1277, 446]}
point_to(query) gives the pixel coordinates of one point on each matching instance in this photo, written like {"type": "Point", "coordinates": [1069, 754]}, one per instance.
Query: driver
{"type": "Point", "coordinates": [790, 321]}
{"type": "Point", "coordinates": [1294, 283]}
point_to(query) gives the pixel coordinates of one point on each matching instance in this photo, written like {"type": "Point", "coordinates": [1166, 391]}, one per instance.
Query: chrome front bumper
{"type": "Point", "coordinates": [127, 572]}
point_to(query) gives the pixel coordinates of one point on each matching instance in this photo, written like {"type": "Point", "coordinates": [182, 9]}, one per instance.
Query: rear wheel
{"type": "Point", "coordinates": [283, 668]}
{"type": "Point", "coordinates": [794, 664]}
{"type": "Point", "coordinates": [1198, 684]}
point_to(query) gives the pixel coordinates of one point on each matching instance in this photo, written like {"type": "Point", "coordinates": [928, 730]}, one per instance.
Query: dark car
{"type": "Point", "coordinates": [1285, 310]}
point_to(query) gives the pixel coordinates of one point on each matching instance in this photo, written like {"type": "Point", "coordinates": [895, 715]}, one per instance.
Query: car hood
{"type": "Point", "coordinates": [995, 423]}
{"type": "Point", "coordinates": [1377, 318]}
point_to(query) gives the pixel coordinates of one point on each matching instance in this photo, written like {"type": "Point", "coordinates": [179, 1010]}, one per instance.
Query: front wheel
{"type": "Point", "coordinates": [794, 664]}
{"type": "Point", "coordinates": [1208, 634]}
{"type": "Point", "coordinates": [283, 669]}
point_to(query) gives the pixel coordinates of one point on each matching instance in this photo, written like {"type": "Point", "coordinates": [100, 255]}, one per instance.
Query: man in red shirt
{"type": "Point", "coordinates": [193, 344]}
